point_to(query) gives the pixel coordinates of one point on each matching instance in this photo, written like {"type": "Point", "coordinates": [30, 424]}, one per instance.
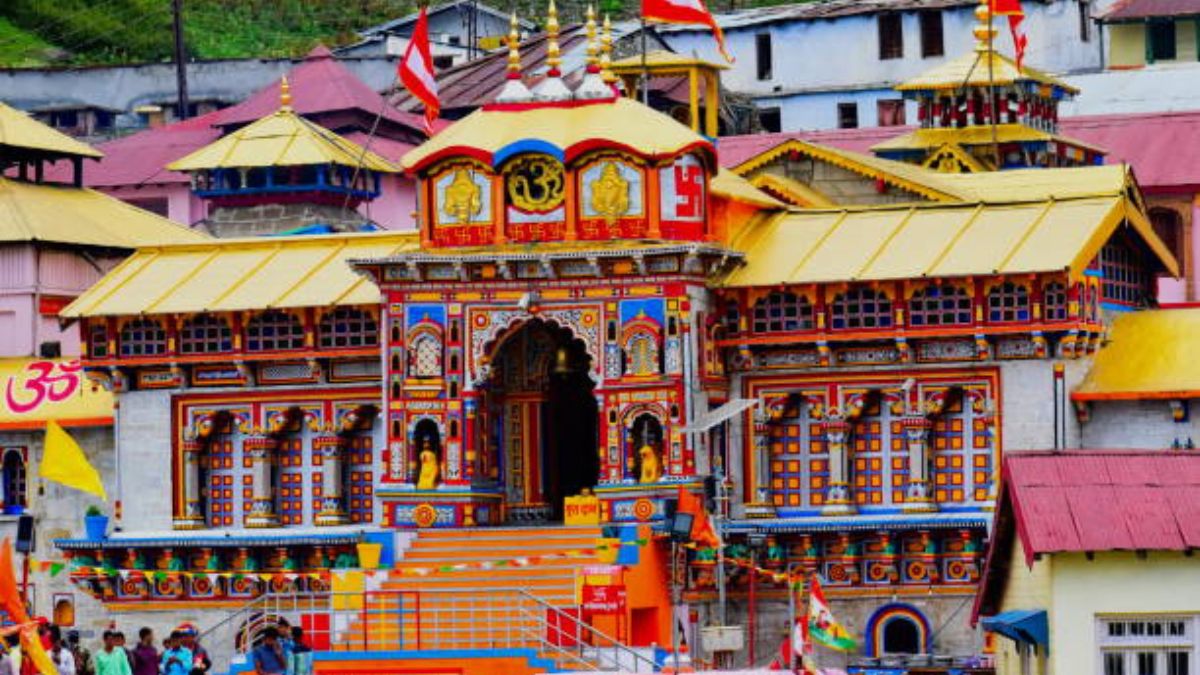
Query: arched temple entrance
{"type": "Point", "coordinates": [540, 420]}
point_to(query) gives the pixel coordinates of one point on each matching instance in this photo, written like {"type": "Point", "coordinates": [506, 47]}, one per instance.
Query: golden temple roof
{"type": "Point", "coordinates": [281, 139]}
{"type": "Point", "coordinates": [493, 133]}
{"type": "Point", "coordinates": [733, 187]}
{"type": "Point", "coordinates": [1149, 354]}
{"type": "Point", "coordinates": [70, 215]}
{"type": "Point", "coordinates": [935, 240]}
{"type": "Point", "coordinates": [241, 274]}
{"type": "Point", "coordinates": [923, 139]}
{"type": "Point", "coordinates": [661, 59]}
{"type": "Point", "coordinates": [971, 70]}
{"type": "Point", "coordinates": [19, 130]}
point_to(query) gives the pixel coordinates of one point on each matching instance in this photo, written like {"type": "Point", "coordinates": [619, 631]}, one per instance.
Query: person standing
{"type": "Point", "coordinates": [200, 660]}
{"type": "Point", "coordinates": [145, 654]}
{"type": "Point", "coordinates": [112, 660]}
{"type": "Point", "coordinates": [302, 657]}
{"type": "Point", "coordinates": [176, 659]}
{"type": "Point", "coordinates": [83, 656]}
{"type": "Point", "coordinates": [64, 661]}
{"type": "Point", "coordinates": [268, 656]}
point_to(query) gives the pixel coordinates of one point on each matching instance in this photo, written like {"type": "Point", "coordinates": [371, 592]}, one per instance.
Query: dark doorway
{"type": "Point", "coordinates": [541, 420]}
{"type": "Point", "coordinates": [901, 636]}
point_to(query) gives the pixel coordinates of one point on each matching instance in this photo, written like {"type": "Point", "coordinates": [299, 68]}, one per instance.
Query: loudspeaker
{"type": "Point", "coordinates": [25, 534]}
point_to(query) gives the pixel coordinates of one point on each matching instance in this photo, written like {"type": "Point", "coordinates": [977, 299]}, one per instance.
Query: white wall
{"type": "Point", "coordinates": [143, 423]}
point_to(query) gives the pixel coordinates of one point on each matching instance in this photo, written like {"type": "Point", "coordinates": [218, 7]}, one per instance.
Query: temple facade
{"type": "Point", "coordinates": [842, 345]}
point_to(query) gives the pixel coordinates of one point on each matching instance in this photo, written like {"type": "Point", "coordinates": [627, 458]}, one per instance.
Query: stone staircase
{"type": "Point", "coordinates": [475, 607]}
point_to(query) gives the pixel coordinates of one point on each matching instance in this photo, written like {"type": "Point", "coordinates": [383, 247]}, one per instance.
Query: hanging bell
{"type": "Point", "coordinates": [562, 362]}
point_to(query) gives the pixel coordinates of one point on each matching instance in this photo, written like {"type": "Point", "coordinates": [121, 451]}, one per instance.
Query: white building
{"type": "Point", "coordinates": [833, 63]}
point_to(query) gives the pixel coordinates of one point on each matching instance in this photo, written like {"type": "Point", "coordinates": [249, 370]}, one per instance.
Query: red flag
{"type": "Point", "coordinates": [702, 530]}
{"type": "Point", "coordinates": [685, 11]}
{"type": "Point", "coordinates": [1016, 14]}
{"type": "Point", "coordinates": [416, 70]}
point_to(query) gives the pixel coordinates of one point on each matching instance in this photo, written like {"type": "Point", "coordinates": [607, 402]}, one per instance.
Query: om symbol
{"type": "Point", "coordinates": [42, 381]}
{"type": "Point", "coordinates": [535, 183]}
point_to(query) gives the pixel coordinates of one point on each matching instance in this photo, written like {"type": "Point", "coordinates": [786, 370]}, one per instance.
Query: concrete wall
{"type": "Point", "coordinates": [58, 513]}
{"type": "Point", "coordinates": [808, 94]}
{"type": "Point", "coordinates": [1113, 583]}
{"type": "Point", "coordinates": [143, 431]}
{"type": "Point", "coordinates": [28, 272]}
{"type": "Point", "coordinates": [1127, 44]}
{"type": "Point", "coordinates": [1138, 424]}
{"type": "Point", "coordinates": [1026, 403]}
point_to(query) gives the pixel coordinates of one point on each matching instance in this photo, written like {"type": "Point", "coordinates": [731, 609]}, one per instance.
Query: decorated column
{"type": "Point", "coordinates": [761, 505]}
{"type": "Point", "coordinates": [333, 481]}
{"type": "Point", "coordinates": [917, 494]}
{"type": "Point", "coordinates": [258, 449]}
{"type": "Point", "coordinates": [191, 515]}
{"type": "Point", "coordinates": [837, 438]}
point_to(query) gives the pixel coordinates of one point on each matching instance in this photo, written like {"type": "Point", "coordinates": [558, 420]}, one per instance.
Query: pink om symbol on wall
{"type": "Point", "coordinates": [42, 381]}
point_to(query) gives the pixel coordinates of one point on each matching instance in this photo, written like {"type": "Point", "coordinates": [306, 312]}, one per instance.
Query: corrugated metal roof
{"type": "Point", "coordinates": [1149, 355]}
{"type": "Point", "coordinates": [19, 130]}
{"type": "Point", "coordinates": [932, 240]}
{"type": "Point", "coordinates": [1094, 501]}
{"type": "Point", "coordinates": [281, 139]}
{"type": "Point", "coordinates": [1135, 10]}
{"type": "Point", "coordinates": [241, 274]}
{"type": "Point", "coordinates": [71, 215]}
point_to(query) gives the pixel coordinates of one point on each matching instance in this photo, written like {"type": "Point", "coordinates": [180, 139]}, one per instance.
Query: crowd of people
{"type": "Point", "coordinates": [281, 650]}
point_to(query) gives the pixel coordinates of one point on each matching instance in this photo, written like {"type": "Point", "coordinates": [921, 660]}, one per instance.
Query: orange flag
{"type": "Point", "coordinates": [12, 602]}
{"type": "Point", "coordinates": [702, 529]}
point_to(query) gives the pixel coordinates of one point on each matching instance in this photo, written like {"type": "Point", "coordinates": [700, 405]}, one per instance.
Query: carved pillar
{"type": "Point", "coordinates": [837, 494]}
{"type": "Point", "coordinates": [333, 481]}
{"type": "Point", "coordinates": [259, 450]}
{"type": "Point", "coordinates": [191, 515]}
{"type": "Point", "coordinates": [918, 495]}
{"type": "Point", "coordinates": [761, 505]}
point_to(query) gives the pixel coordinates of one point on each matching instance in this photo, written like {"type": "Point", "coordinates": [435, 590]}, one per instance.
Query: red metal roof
{"type": "Point", "coordinates": [1090, 501]}
{"type": "Point", "coordinates": [1104, 500]}
{"type": "Point", "coordinates": [1130, 10]}
{"type": "Point", "coordinates": [733, 150]}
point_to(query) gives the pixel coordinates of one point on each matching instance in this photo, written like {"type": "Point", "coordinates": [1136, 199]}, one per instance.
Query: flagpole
{"type": "Point", "coordinates": [991, 36]}
{"type": "Point", "coordinates": [645, 66]}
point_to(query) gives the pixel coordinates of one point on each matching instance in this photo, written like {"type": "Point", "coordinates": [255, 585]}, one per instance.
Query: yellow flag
{"type": "Point", "coordinates": [63, 461]}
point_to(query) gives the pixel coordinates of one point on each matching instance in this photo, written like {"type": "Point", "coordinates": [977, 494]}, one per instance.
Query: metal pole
{"type": "Point", "coordinates": [791, 626]}
{"type": "Point", "coordinates": [645, 84]}
{"type": "Point", "coordinates": [751, 612]}
{"type": "Point", "coordinates": [674, 600]}
{"type": "Point", "coordinates": [181, 86]}
{"type": "Point", "coordinates": [720, 522]}
{"type": "Point", "coordinates": [992, 87]}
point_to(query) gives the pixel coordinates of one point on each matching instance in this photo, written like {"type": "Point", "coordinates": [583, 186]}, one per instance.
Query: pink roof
{"type": "Point", "coordinates": [319, 84]}
{"type": "Point", "coordinates": [1127, 10]}
{"type": "Point", "coordinates": [1104, 500]}
{"type": "Point", "coordinates": [1087, 501]}
{"type": "Point", "coordinates": [733, 150]}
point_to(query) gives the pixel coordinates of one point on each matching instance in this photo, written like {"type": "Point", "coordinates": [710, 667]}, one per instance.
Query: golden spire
{"type": "Point", "coordinates": [553, 57]}
{"type": "Point", "coordinates": [985, 31]}
{"type": "Point", "coordinates": [285, 94]}
{"type": "Point", "coordinates": [593, 61]}
{"type": "Point", "coordinates": [606, 52]}
{"type": "Point", "coordinates": [514, 48]}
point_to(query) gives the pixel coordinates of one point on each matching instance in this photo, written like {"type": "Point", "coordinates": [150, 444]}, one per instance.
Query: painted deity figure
{"type": "Point", "coordinates": [610, 193]}
{"type": "Point", "coordinates": [461, 198]}
{"type": "Point", "coordinates": [651, 468]}
{"type": "Point", "coordinates": [428, 477]}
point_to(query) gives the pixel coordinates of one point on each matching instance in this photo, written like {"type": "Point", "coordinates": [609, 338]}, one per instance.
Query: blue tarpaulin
{"type": "Point", "coordinates": [1021, 625]}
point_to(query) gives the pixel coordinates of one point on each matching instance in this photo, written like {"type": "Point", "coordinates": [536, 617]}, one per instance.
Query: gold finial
{"type": "Point", "coordinates": [285, 94]}
{"type": "Point", "coordinates": [553, 57]}
{"type": "Point", "coordinates": [593, 60]}
{"type": "Point", "coordinates": [984, 31]}
{"type": "Point", "coordinates": [514, 48]}
{"type": "Point", "coordinates": [606, 52]}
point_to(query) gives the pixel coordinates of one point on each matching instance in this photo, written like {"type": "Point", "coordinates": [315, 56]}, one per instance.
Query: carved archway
{"type": "Point", "coordinates": [491, 327]}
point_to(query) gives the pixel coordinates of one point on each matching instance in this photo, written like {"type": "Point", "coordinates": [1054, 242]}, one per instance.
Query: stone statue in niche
{"type": "Point", "coordinates": [462, 200]}
{"type": "Point", "coordinates": [647, 434]}
{"type": "Point", "coordinates": [651, 468]}
{"type": "Point", "coordinates": [610, 194]}
{"type": "Point", "coordinates": [430, 473]}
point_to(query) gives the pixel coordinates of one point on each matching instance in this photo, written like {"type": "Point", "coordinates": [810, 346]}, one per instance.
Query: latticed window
{"type": "Point", "coordinates": [98, 341]}
{"type": "Point", "coordinates": [426, 356]}
{"type": "Point", "coordinates": [1126, 280]}
{"type": "Point", "coordinates": [143, 337]}
{"type": "Point", "coordinates": [732, 317]}
{"type": "Point", "coordinates": [273, 330]}
{"type": "Point", "coordinates": [861, 308]}
{"type": "Point", "coordinates": [940, 306]}
{"type": "Point", "coordinates": [781, 312]}
{"type": "Point", "coordinates": [349, 327]}
{"type": "Point", "coordinates": [14, 479]}
{"type": "Point", "coordinates": [205, 334]}
{"type": "Point", "coordinates": [1054, 301]}
{"type": "Point", "coordinates": [1008, 302]}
